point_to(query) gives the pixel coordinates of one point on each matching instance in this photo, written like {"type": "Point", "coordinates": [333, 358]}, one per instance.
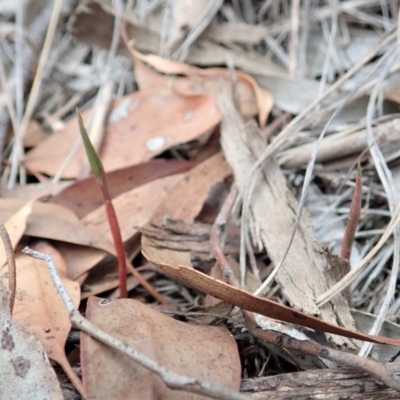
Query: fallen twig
{"type": "Point", "coordinates": [171, 379]}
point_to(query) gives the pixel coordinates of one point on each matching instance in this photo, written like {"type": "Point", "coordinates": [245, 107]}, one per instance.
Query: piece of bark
{"type": "Point", "coordinates": [322, 384]}
{"type": "Point", "coordinates": [271, 218]}
{"type": "Point", "coordinates": [177, 235]}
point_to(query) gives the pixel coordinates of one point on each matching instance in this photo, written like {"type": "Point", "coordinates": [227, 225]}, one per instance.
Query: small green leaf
{"type": "Point", "coordinates": [92, 156]}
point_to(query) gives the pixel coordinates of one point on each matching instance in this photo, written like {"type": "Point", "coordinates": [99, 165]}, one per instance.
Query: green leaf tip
{"type": "Point", "coordinates": [92, 156]}
{"type": "Point", "coordinates": [359, 170]}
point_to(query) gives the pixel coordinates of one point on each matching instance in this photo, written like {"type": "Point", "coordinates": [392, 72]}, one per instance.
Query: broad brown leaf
{"type": "Point", "coordinates": [141, 126]}
{"type": "Point", "coordinates": [204, 352]}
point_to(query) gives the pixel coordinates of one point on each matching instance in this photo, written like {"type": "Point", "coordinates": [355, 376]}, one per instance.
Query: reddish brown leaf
{"type": "Point", "coordinates": [164, 259]}
{"type": "Point", "coordinates": [84, 196]}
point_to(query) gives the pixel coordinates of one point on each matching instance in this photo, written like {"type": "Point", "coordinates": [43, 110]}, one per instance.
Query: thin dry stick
{"type": "Point", "coordinates": [204, 20]}
{"type": "Point", "coordinates": [346, 281]}
{"type": "Point", "coordinates": [172, 380]}
{"type": "Point", "coordinates": [12, 270]}
{"type": "Point", "coordinates": [270, 129]}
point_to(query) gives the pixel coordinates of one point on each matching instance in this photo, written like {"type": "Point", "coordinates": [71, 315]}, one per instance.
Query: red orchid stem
{"type": "Point", "coordinates": [116, 234]}
{"type": "Point", "coordinates": [100, 176]}
{"type": "Point", "coordinates": [354, 216]}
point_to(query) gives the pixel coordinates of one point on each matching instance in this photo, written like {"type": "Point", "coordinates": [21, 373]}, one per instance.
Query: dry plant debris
{"type": "Point", "coordinates": [231, 135]}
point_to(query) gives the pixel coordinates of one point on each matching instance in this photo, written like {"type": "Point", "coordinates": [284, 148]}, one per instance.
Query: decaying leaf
{"type": "Point", "coordinates": [132, 132]}
{"type": "Point", "coordinates": [177, 346]}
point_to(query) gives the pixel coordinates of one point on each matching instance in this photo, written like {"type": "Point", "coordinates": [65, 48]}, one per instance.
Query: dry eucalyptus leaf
{"type": "Point", "coordinates": [133, 208]}
{"type": "Point", "coordinates": [38, 307]}
{"type": "Point", "coordinates": [205, 352]}
{"type": "Point", "coordinates": [132, 131]}
{"type": "Point", "coordinates": [186, 198]}
{"type": "Point", "coordinates": [27, 192]}
{"type": "Point", "coordinates": [51, 221]}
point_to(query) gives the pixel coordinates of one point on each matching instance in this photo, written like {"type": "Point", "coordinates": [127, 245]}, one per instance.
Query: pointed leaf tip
{"type": "Point", "coordinates": [92, 156]}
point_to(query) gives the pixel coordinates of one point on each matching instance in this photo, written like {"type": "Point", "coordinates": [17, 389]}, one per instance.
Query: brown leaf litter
{"type": "Point", "coordinates": [224, 220]}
